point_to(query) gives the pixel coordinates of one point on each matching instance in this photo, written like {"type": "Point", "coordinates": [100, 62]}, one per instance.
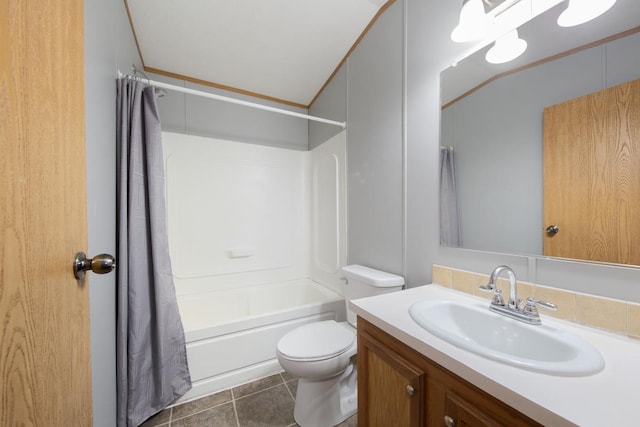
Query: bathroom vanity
{"type": "Point", "coordinates": [410, 377]}
{"type": "Point", "coordinates": [399, 386]}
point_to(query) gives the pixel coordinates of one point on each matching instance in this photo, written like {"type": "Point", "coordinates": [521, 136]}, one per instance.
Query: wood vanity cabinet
{"type": "Point", "coordinates": [397, 387]}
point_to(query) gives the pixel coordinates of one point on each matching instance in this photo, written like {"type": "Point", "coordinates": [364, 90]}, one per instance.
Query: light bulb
{"type": "Point", "coordinates": [473, 22]}
{"type": "Point", "coordinates": [506, 48]}
{"type": "Point", "coordinates": [581, 11]}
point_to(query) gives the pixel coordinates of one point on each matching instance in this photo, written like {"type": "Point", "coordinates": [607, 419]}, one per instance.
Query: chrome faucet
{"type": "Point", "coordinates": [493, 283]}
{"type": "Point", "coordinates": [528, 314]}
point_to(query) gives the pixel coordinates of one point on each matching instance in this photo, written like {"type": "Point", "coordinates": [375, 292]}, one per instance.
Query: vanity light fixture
{"type": "Point", "coordinates": [506, 48]}
{"type": "Point", "coordinates": [581, 11]}
{"type": "Point", "coordinates": [473, 24]}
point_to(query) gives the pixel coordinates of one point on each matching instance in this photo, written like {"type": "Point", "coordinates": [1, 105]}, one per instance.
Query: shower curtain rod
{"type": "Point", "coordinates": [343, 125]}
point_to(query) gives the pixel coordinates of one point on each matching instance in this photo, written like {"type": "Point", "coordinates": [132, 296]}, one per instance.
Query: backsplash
{"type": "Point", "coordinates": [605, 313]}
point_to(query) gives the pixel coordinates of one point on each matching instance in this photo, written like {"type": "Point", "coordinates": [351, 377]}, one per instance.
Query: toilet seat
{"type": "Point", "coordinates": [317, 341]}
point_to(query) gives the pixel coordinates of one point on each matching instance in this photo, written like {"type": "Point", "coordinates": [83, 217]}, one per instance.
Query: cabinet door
{"type": "Point", "coordinates": [390, 389]}
{"type": "Point", "coordinates": [461, 413]}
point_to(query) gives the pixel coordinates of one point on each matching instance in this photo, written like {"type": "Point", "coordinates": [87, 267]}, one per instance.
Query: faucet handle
{"type": "Point", "coordinates": [497, 293]}
{"type": "Point", "coordinates": [531, 309]}
{"type": "Point", "coordinates": [497, 297]}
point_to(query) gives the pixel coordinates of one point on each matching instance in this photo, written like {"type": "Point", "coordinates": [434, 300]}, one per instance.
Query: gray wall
{"type": "Point", "coordinates": [331, 104]}
{"type": "Point", "coordinates": [429, 50]}
{"type": "Point", "coordinates": [392, 100]}
{"type": "Point", "coordinates": [193, 115]}
{"type": "Point", "coordinates": [392, 103]}
{"type": "Point", "coordinates": [375, 146]}
{"type": "Point", "coordinates": [109, 45]}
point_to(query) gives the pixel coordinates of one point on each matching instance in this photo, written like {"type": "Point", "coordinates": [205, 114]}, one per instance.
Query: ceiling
{"type": "Point", "coordinates": [284, 50]}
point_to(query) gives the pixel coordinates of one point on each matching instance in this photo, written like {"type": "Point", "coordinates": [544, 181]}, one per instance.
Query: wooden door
{"type": "Point", "coordinates": [45, 376]}
{"type": "Point", "coordinates": [592, 176]}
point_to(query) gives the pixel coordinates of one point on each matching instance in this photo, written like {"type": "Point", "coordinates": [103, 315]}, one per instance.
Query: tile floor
{"type": "Point", "coordinates": [267, 402]}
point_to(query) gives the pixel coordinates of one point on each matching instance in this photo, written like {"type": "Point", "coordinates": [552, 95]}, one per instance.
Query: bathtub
{"type": "Point", "coordinates": [232, 334]}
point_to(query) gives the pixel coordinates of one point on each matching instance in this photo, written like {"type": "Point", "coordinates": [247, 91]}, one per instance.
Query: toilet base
{"type": "Point", "coordinates": [328, 402]}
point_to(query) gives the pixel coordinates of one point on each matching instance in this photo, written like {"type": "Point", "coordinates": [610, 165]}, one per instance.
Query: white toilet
{"type": "Point", "coordinates": [322, 354]}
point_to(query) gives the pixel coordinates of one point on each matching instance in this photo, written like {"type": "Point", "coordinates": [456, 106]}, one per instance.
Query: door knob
{"type": "Point", "coordinates": [552, 230]}
{"type": "Point", "coordinates": [99, 264]}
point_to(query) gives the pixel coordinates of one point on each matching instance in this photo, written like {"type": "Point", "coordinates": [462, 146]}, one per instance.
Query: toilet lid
{"type": "Point", "coordinates": [319, 340]}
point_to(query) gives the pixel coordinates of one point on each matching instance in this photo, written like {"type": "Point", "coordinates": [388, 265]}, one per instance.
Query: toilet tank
{"type": "Point", "coordinates": [361, 281]}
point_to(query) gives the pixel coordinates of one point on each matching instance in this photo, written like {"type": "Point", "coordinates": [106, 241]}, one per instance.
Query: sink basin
{"type": "Point", "coordinates": [471, 326]}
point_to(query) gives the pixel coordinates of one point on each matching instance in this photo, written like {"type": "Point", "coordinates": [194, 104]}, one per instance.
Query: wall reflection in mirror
{"type": "Point", "coordinates": [496, 119]}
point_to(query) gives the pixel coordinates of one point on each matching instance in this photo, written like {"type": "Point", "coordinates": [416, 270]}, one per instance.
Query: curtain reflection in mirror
{"type": "Point", "coordinates": [449, 222]}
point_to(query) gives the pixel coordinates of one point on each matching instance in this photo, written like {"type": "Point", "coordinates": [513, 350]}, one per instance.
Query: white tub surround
{"type": "Point", "coordinates": [607, 398]}
{"type": "Point", "coordinates": [241, 214]}
{"type": "Point", "coordinates": [238, 214]}
{"type": "Point", "coordinates": [257, 237]}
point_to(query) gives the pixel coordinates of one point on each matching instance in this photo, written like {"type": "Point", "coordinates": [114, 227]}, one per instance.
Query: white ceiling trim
{"type": "Point", "coordinates": [281, 49]}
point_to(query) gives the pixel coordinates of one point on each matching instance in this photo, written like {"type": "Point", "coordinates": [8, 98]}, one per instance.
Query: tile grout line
{"type": "Point", "coordinates": [288, 389]}
{"type": "Point", "coordinates": [285, 384]}
{"type": "Point", "coordinates": [235, 408]}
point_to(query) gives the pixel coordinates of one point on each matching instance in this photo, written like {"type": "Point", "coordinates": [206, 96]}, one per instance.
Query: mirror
{"type": "Point", "coordinates": [492, 122]}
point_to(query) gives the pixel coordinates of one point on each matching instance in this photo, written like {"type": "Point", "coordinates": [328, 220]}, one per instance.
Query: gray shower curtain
{"type": "Point", "coordinates": [449, 220]}
{"type": "Point", "coordinates": [151, 357]}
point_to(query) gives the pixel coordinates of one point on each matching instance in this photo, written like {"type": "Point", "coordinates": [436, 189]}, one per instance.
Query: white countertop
{"type": "Point", "coordinates": [608, 398]}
